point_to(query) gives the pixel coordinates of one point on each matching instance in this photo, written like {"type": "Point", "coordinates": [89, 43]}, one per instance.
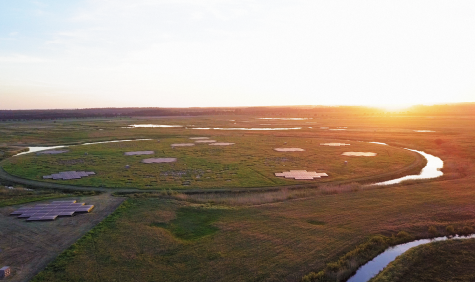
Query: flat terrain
{"type": "Point", "coordinates": [175, 238]}
{"type": "Point", "coordinates": [168, 240]}
{"type": "Point", "coordinates": [251, 162]}
{"type": "Point", "coordinates": [19, 195]}
{"type": "Point", "coordinates": [452, 260]}
{"type": "Point", "coordinates": [29, 246]}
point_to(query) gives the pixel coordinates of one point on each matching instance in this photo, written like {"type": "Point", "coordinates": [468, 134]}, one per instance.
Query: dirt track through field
{"type": "Point", "coordinates": [27, 247]}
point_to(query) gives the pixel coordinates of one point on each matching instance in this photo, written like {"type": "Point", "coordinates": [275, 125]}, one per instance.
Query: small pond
{"type": "Point", "coordinates": [151, 125]}
{"type": "Point", "coordinates": [37, 149]}
{"type": "Point", "coordinates": [252, 128]}
{"type": "Point", "coordinates": [288, 118]}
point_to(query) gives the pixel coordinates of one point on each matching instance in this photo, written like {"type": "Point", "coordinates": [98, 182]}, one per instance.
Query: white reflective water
{"type": "Point", "coordinates": [37, 149]}
{"type": "Point", "coordinates": [288, 118]}
{"type": "Point", "coordinates": [372, 268]}
{"type": "Point", "coordinates": [380, 143]}
{"type": "Point", "coordinates": [253, 128]}
{"type": "Point", "coordinates": [431, 170]}
{"type": "Point", "coordinates": [114, 141]}
{"type": "Point", "coordinates": [151, 125]}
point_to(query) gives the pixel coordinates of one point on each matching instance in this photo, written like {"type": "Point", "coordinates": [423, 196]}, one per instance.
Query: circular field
{"type": "Point", "coordinates": [249, 162]}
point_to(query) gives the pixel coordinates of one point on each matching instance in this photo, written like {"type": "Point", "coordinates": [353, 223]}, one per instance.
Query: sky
{"type": "Point", "coordinates": [211, 53]}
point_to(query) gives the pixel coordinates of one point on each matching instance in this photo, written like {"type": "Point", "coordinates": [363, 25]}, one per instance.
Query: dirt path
{"type": "Point", "coordinates": [28, 247]}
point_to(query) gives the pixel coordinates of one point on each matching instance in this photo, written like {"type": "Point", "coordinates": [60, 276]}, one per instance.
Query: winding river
{"type": "Point", "coordinates": [431, 170]}
{"type": "Point", "coordinates": [372, 268]}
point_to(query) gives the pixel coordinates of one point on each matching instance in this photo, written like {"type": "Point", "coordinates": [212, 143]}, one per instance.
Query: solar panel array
{"type": "Point", "coordinates": [183, 144]}
{"type": "Point", "coordinates": [68, 175]}
{"type": "Point", "coordinates": [52, 152]}
{"type": "Point", "coordinates": [158, 160]}
{"type": "Point", "coordinates": [289, 149]}
{"type": "Point", "coordinates": [139, 153]}
{"type": "Point", "coordinates": [334, 144]}
{"type": "Point", "coordinates": [42, 212]}
{"type": "Point", "coordinates": [359, 154]}
{"type": "Point", "coordinates": [301, 174]}
{"type": "Point", "coordinates": [221, 144]}
{"type": "Point", "coordinates": [205, 141]}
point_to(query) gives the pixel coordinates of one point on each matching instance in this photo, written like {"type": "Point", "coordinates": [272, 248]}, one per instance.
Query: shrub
{"type": "Point", "coordinates": [433, 231]}
{"type": "Point", "coordinates": [402, 234]}
{"type": "Point", "coordinates": [450, 229]}
{"type": "Point", "coordinates": [466, 230]}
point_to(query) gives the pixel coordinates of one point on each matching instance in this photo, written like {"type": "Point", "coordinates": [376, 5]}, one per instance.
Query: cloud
{"type": "Point", "coordinates": [21, 59]}
{"type": "Point", "coordinates": [211, 53]}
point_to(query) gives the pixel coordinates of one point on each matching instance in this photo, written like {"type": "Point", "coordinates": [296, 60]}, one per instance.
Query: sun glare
{"type": "Point", "coordinates": [394, 107]}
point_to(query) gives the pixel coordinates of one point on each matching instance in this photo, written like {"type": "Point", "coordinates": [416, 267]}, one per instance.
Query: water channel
{"type": "Point", "coordinates": [372, 268]}
{"type": "Point", "coordinates": [38, 149]}
{"type": "Point", "coordinates": [251, 128]}
{"type": "Point", "coordinates": [431, 170]}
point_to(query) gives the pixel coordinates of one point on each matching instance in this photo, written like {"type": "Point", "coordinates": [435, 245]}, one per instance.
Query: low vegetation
{"type": "Point", "coordinates": [282, 235]}
{"type": "Point", "coordinates": [452, 260]}
{"type": "Point", "coordinates": [10, 195]}
{"type": "Point", "coordinates": [342, 269]}
{"type": "Point", "coordinates": [251, 162]}
{"type": "Point", "coordinates": [163, 239]}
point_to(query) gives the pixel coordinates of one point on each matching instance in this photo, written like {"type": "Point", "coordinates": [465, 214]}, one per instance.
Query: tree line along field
{"type": "Point", "coordinates": [250, 162]}
{"type": "Point", "coordinates": [168, 239]}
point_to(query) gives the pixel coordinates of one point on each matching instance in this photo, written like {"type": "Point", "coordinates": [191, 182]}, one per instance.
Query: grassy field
{"type": "Point", "coordinates": [169, 240]}
{"type": "Point", "coordinates": [29, 246]}
{"type": "Point", "coordinates": [452, 260]}
{"type": "Point", "coordinates": [19, 195]}
{"type": "Point", "coordinates": [251, 162]}
{"type": "Point", "coordinates": [263, 236]}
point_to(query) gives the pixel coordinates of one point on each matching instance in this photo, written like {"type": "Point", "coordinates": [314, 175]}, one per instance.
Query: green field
{"type": "Point", "coordinates": [452, 260]}
{"type": "Point", "coordinates": [251, 162]}
{"type": "Point", "coordinates": [19, 195]}
{"type": "Point", "coordinates": [281, 235]}
{"type": "Point", "coordinates": [153, 239]}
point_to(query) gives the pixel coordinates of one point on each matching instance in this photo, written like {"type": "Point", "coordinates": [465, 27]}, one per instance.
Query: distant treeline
{"type": "Point", "coordinates": [284, 111]}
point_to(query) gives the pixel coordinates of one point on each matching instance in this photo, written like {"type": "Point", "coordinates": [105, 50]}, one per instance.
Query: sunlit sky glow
{"type": "Point", "coordinates": [192, 53]}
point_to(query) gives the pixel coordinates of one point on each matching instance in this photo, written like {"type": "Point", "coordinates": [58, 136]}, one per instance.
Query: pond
{"type": "Point", "coordinates": [288, 118]}
{"type": "Point", "coordinates": [151, 125]}
{"type": "Point", "coordinates": [37, 149]}
{"type": "Point", "coordinates": [372, 268]}
{"type": "Point", "coordinates": [253, 128]}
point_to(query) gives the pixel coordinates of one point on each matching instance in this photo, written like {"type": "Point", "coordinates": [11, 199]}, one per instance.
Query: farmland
{"type": "Point", "coordinates": [253, 236]}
